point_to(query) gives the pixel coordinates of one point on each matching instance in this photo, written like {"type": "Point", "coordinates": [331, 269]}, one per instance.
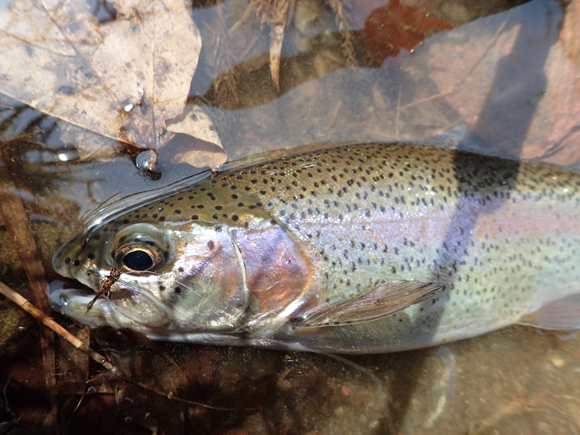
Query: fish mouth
{"type": "Point", "coordinates": [135, 309]}
{"type": "Point", "coordinates": [73, 302]}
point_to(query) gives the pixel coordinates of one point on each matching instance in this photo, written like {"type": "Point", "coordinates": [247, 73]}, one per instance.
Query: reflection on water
{"type": "Point", "coordinates": [492, 75]}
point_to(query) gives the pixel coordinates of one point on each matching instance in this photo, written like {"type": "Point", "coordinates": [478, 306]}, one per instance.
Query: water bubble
{"type": "Point", "coordinates": [146, 161]}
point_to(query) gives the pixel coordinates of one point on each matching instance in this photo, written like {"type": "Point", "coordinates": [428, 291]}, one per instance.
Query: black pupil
{"type": "Point", "coordinates": [138, 260]}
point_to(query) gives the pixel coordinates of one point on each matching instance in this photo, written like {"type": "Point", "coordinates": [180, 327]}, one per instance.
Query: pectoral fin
{"type": "Point", "coordinates": [374, 304]}
{"type": "Point", "coordinates": [561, 314]}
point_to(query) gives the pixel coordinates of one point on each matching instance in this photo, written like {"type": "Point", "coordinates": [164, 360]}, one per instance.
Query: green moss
{"type": "Point", "coordinates": [10, 316]}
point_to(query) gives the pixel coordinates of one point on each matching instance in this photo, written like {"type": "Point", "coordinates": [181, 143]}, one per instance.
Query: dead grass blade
{"type": "Point", "coordinates": [16, 221]}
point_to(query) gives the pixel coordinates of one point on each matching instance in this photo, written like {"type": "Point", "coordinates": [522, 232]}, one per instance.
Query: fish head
{"type": "Point", "coordinates": [156, 277]}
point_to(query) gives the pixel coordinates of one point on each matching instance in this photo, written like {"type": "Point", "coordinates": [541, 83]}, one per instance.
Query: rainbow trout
{"type": "Point", "coordinates": [356, 249]}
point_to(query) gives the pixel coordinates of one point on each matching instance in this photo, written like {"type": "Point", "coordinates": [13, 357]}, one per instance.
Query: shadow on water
{"type": "Point", "coordinates": [513, 114]}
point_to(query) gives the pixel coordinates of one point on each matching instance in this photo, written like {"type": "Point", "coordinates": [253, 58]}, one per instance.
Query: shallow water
{"type": "Point", "coordinates": [497, 76]}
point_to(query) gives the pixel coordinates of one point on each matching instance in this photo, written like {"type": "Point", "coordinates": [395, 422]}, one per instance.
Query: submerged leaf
{"type": "Point", "coordinates": [121, 72]}
{"type": "Point", "coordinates": [397, 26]}
{"type": "Point", "coordinates": [208, 150]}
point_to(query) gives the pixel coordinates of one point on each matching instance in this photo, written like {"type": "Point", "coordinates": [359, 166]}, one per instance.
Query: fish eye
{"type": "Point", "coordinates": [139, 258]}
{"type": "Point", "coordinates": [138, 248]}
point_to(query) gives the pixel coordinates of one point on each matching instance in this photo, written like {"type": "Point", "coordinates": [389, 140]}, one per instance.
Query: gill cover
{"type": "Point", "coordinates": [279, 274]}
{"type": "Point", "coordinates": [208, 280]}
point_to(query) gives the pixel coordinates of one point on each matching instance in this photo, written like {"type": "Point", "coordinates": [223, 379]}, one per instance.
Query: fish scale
{"type": "Point", "coordinates": [298, 235]}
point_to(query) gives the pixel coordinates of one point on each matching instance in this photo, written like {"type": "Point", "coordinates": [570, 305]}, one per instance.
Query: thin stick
{"type": "Point", "coordinates": [39, 315]}
{"type": "Point", "coordinates": [16, 221]}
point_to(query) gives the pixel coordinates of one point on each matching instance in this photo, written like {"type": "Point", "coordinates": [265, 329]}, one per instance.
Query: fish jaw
{"type": "Point", "coordinates": [74, 303]}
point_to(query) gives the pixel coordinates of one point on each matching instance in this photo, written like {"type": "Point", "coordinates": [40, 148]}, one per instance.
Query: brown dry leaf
{"type": "Point", "coordinates": [122, 77]}
{"type": "Point", "coordinates": [397, 26]}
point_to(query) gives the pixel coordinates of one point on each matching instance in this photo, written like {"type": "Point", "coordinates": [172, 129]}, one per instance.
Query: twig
{"type": "Point", "coordinates": [39, 315]}
{"type": "Point", "coordinates": [16, 221]}
{"type": "Point", "coordinates": [242, 20]}
{"type": "Point", "coordinates": [341, 9]}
